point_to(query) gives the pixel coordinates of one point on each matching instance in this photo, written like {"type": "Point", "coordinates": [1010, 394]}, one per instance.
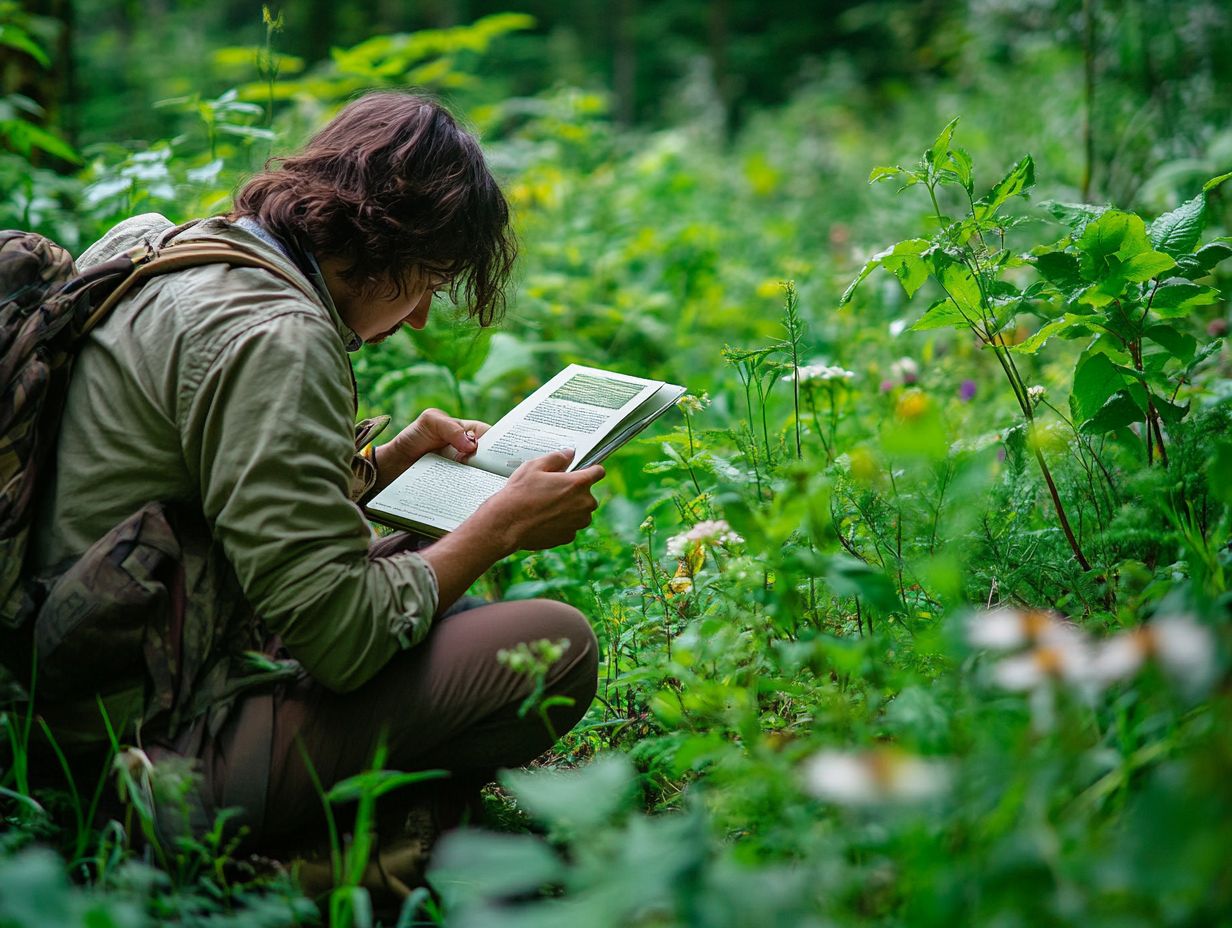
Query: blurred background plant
{"type": "Point", "coordinates": [853, 668]}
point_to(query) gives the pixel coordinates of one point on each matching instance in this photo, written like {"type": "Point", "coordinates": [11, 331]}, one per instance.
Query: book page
{"type": "Point", "coordinates": [578, 408]}
{"type": "Point", "coordinates": [650, 409]}
{"type": "Point", "coordinates": [435, 493]}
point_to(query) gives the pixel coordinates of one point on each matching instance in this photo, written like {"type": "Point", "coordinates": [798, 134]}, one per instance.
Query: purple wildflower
{"type": "Point", "coordinates": [966, 391]}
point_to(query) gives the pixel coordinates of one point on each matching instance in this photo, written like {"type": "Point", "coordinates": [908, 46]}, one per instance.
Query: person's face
{"type": "Point", "coordinates": [374, 318]}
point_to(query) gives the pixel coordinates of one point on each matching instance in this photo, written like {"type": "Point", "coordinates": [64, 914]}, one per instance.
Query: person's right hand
{"type": "Point", "coordinates": [542, 506]}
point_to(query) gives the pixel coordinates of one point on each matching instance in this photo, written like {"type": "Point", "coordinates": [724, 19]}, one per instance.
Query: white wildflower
{"type": "Point", "coordinates": [1019, 673]}
{"type": "Point", "coordinates": [1062, 653]}
{"type": "Point", "coordinates": [1006, 628]}
{"type": "Point", "coordinates": [905, 370]}
{"type": "Point", "coordinates": [1118, 658]}
{"type": "Point", "coordinates": [1182, 647]}
{"type": "Point", "coordinates": [874, 776]}
{"type": "Point", "coordinates": [693, 404]}
{"type": "Point", "coordinates": [821, 373]}
{"type": "Point", "coordinates": [707, 533]}
{"type": "Point", "coordinates": [1036, 394]}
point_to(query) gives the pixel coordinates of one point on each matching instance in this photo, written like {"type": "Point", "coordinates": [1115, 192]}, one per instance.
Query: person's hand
{"type": "Point", "coordinates": [432, 431]}
{"type": "Point", "coordinates": [542, 506]}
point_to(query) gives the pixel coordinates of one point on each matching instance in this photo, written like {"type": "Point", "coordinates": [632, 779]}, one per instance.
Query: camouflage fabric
{"type": "Point", "coordinates": [139, 608]}
{"type": "Point", "coordinates": [44, 306]}
{"type": "Point", "coordinates": [33, 372]}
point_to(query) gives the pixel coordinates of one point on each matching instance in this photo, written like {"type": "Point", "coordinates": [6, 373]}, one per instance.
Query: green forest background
{"type": "Point", "coordinates": [917, 612]}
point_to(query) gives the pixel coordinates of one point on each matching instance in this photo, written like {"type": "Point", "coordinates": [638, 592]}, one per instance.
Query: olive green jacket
{"type": "Point", "coordinates": [228, 391]}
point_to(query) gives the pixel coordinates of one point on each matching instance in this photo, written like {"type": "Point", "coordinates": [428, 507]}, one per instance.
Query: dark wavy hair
{"type": "Point", "coordinates": [393, 182]}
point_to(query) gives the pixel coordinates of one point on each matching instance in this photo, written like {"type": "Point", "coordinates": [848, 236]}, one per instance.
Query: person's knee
{"type": "Point", "coordinates": [568, 623]}
{"type": "Point", "coordinates": [577, 669]}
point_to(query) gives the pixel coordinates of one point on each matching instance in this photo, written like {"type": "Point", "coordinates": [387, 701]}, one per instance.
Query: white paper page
{"type": "Point", "coordinates": [662, 400]}
{"type": "Point", "coordinates": [436, 491]}
{"type": "Point", "coordinates": [577, 409]}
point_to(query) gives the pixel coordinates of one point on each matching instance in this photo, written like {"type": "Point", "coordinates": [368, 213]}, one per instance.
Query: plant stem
{"type": "Point", "coordinates": [762, 397]}
{"type": "Point", "coordinates": [748, 405]}
{"type": "Point", "coordinates": [817, 425]}
{"type": "Point", "coordinates": [1056, 502]}
{"type": "Point", "coordinates": [688, 422]}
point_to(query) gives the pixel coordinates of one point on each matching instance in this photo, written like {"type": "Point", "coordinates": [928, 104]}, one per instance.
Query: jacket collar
{"type": "Point", "coordinates": [301, 260]}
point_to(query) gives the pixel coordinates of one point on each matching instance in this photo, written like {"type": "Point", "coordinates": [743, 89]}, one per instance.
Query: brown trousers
{"type": "Point", "coordinates": [447, 703]}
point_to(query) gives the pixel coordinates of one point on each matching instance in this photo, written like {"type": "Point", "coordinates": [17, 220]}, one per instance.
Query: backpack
{"type": "Point", "coordinates": [46, 310]}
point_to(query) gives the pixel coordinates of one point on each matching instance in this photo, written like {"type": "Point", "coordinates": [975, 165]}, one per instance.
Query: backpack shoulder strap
{"type": "Point", "coordinates": [150, 262]}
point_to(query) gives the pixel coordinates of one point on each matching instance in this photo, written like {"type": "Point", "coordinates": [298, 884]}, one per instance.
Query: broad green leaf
{"type": "Point", "coordinates": [1020, 179]}
{"type": "Point", "coordinates": [943, 315]}
{"type": "Point", "coordinates": [1138, 269]}
{"type": "Point", "coordinates": [26, 136]}
{"type": "Point", "coordinates": [1119, 411]}
{"type": "Point", "coordinates": [1095, 380]}
{"type": "Point", "coordinates": [1005, 301]}
{"type": "Point", "coordinates": [912, 246]}
{"type": "Point", "coordinates": [1098, 295]}
{"type": "Point", "coordinates": [960, 164]}
{"type": "Point", "coordinates": [1208, 256]}
{"type": "Point", "coordinates": [910, 270]}
{"type": "Point", "coordinates": [1179, 344]}
{"type": "Point", "coordinates": [1213, 347]}
{"type": "Point", "coordinates": [1177, 232]}
{"type": "Point", "coordinates": [1180, 298]}
{"type": "Point", "coordinates": [471, 350]}
{"type": "Point", "coordinates": [17, 38]}
{"type": "Point", "coordinates": [1215, 182]}
{"type": "Point", "coordinates": [936, 154]}
{"type": "Point", "coordinates": [1037, 341]}
{"type": "Point", "coordinates": [959, 284]}
{"type": "Point", "coordinates": [1075, 215]}
{"type": "Point", "coordinates": [582, 798]}
{"type": "Point", "coordinates": [1170, 412]}
{"type": "Point", "coordinates": [470, 865]}
{"type": "Point", "coordinates": [1060, 269]}
{"type": "Point", "coordinates": [848, 577]}
{"type": "Point", "coordinates": [1113, 235]}
{"type": "Point", "coordinates": [884, 173]}
{"type": "Point", "coordinates": [1218, 466]}
{"type": "Point", "coordinates": [1145, 266]}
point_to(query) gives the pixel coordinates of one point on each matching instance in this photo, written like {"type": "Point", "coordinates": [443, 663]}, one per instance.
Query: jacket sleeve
{"type": "Point", "coordinates": [267, 430]}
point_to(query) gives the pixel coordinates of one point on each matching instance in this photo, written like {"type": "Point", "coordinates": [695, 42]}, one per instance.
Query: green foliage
{"type": "Point", "coordinates": [797, 721]}
{"type": "Point", "coordinates": [20, 131]}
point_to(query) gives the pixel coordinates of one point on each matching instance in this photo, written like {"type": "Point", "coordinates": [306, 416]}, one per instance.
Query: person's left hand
{"type": "Point", "coordinates": [437, 431]}
{"type": "Point", "coordinates": [432, 431]}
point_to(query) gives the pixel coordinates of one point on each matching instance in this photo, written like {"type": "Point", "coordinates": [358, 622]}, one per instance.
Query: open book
{"type": "Point", "coordinates": [590, 410]}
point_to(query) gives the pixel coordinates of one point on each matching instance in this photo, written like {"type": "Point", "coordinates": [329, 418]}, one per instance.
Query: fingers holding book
{"type": "Point", "coordinates": [438, 431]}
{"type": "Point", "coordinates": [543, 505]}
